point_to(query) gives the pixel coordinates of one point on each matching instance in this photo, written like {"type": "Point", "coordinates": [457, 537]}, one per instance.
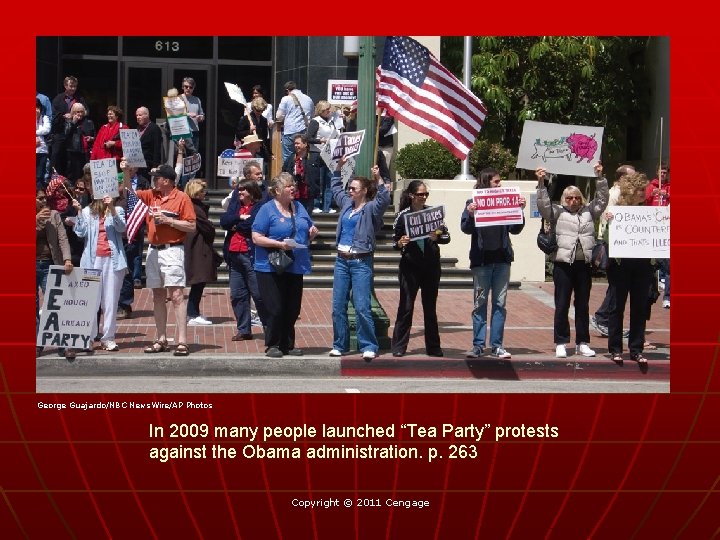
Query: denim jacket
{"type": "Point", "coordinates": [88, 226]}
{"type": "Point", "coordinates": [371, 215]}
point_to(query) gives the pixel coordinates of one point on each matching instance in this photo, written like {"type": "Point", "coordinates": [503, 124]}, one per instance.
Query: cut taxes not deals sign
{"type": "Point", "coordinates": [497, 206]}
{"type": "Point", "coordinates": [425, 222]}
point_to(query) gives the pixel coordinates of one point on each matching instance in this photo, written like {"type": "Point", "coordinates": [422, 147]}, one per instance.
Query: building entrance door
{"type": "Point", "coordinates": [147, 82]}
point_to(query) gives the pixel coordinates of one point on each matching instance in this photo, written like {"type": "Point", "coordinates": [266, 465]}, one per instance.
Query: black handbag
{"type": "Point", "coordinates": [599, 258]}
{"type": "Point", "coordinates": [280, 259]}
{"type": "Point", "coordinates": [546, 239]}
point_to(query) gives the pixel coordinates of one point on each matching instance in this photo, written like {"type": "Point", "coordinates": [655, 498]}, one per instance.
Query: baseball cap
{"type": "Point", "coordinates": [166, 171]}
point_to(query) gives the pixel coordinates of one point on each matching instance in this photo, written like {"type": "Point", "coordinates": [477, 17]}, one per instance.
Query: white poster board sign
{"type": "Point", "coordinates": [497, 206]}
{"type": "Point", "coordinates": [132, 150]}
{"type": "Point", "coordinates": [560, 149]}
{"type": "Point", "coordinates": [639, 232]}
{"type": "Point", "coordinates": [348, 144]}
{"type": "Point", "coordinates": [326, 154]}
{"type": "Point", "coordinates": [425, 222]}
{"type": "Point", "coordinates": [234, 166]}
{"type": "Point", "coordinates": [104, 176]}
{"type": "Point", "coordinates": [69, 309]}
{"type": "Point", "coordinates": [342, 91]}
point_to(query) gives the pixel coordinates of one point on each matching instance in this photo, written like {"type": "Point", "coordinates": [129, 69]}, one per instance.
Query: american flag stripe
{"type": "Point", "coordinates": [420, 92]}
{"type": "Point", "coordinates": [136, 218]}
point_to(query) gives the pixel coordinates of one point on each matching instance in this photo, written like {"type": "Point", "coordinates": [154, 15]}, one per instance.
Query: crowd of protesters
{"type": "Point", "coordinates": [269, 229]}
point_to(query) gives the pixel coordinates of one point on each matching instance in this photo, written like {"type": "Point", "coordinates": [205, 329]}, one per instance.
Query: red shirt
{"type": "Point", "coordinates": [238, 243]}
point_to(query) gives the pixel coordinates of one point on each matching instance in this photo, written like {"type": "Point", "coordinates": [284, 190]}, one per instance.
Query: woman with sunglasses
{"type": "Point", "coordinates": [360, 219]}
{"type": "Point", "coordinates": [419, 269]}
{"type": "Point", "coordinates": [574, 222]}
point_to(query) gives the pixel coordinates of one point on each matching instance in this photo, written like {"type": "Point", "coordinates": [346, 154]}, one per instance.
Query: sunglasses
{"type": "Point", "coordinates": [352, 188]}
{"type": "Point", "coordinates": [242, 189]}
{"type": "Point", "coordinates": [424, 195]}
{"type": "Point", "coordinates": [79, 189]}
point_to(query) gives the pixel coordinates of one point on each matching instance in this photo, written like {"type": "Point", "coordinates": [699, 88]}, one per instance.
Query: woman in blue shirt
{"type": "Point", "coordinates": [282, 223]}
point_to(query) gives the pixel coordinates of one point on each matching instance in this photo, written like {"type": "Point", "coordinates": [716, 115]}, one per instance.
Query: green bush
{"type": "Point", "coordinates": [429, 159]}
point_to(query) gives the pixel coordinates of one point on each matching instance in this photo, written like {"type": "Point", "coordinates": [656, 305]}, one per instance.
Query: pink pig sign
{"type": "Point", "coordinates": [559, 148]}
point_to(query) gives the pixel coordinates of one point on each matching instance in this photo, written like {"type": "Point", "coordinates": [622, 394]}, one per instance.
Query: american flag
{"type": "Point", "coordinates": [417, 90]}
{"type": "Point", "coordinates": [138, 210]}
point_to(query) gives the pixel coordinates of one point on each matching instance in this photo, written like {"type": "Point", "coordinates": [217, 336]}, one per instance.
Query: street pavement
{"type": "Point", "coordinates": [219, 365]}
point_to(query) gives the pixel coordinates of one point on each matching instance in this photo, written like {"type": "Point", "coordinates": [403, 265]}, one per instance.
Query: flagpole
{"type": "Point", "coordinates": [660, 154]}
{"type": "Point", "coordinates": [377, 136]}
{"type": "Point", "coordinates": [467, 57]}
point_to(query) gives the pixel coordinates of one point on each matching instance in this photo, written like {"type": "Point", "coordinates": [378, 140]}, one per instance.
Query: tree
{"type": "Point", "coordinates": [560, 79]}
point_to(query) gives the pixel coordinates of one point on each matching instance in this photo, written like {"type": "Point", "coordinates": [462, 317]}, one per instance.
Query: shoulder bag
{"type": "Point", "coordinates": [280, 259]}
{"type": "Point", "coordinates": [546, 239]}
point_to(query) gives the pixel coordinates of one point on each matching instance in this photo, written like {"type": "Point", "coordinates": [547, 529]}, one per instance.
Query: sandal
{"type": "Point", "coordinates": [181, 349]}
{"type": "Point", "coordinates": [640, 359]}
{"type": "Point", "coordinates": [617, 358]}
{"type": "Point", "coordinates": [157, 347]}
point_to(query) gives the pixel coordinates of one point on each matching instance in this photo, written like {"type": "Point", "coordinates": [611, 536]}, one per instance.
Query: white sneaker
{"type": "Point", "coordinates": [501, 353]}
{"type": "Point", "coordinates": [256, 322]}
{"type": "Point", "coordinates": [661, 285]}
{"type": "Point", "coordinates": [560, 351]}
{"type": "Point", "coordinates": [666, 304]}
{"type": "Point", "coordinates": [584, 349]}
{"type": "Point", "coordinates": [368, 355]}
{"type": "Point", "coordinates": [110, 345]}
{"type": "Point", "coordinates": [335, 353]}
{"type": "Point", "coordinates": [332, 211]}
{"type": "Point", "coordinates": [199, 321]}
{"type": "Point", "coordinates": [317, 211]}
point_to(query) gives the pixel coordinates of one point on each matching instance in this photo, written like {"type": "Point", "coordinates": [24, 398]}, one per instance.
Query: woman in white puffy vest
{"type": "Point", "coordinates": [574, 222]}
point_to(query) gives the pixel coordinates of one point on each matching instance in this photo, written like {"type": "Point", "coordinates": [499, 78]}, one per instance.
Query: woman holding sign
{"type": "Point", "coordinates": [101, 224]}
{"type": "Point", "coordinates": [361, 218]}
{"type": "Point", "coordinates": [631, 277]}
{"type": "Point", "coordinates": [419, 269]}
{"type": "Point", "coordinates": [491, 254]}
{"type": "Point", "coordinates": [574, 222]}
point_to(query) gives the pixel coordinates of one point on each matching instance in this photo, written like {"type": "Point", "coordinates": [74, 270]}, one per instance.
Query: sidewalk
{"type": "Point", "coordinates": [528, 337]}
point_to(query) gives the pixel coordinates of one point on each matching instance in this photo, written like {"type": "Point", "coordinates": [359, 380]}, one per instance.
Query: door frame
{"type": "Point", "coordinates": [167, 70]}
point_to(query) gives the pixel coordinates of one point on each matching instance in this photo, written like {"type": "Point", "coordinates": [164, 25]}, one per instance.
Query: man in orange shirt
{"type": "Point", "coordinates": [170, 217]}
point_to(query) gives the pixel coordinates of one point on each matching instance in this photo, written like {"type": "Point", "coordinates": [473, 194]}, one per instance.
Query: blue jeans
{"type": "Point", "coordinates": [495, 278]}
{"type": "Point", "coordinates": [133, 254]}
{"type": "Point", "coordinates": [324, 199]}
{"type": "Point", "coordinates": [243, 285]}
{"type": "Point", "coordinates": [288, 148]}
{"type": "Point", "coordinates": [355, 275]}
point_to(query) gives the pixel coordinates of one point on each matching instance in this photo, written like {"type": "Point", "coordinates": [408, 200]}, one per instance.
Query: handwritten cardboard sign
{"type": "Point", "coordinates": [639, 232]}
{"type": "Point", "coordinates": [179, 127]}
{"type": "Point", "coordinates": [497, 206]}
{"type": "Point", "coordinates": [104, 176]}
{"type": "Point", "coordinates": [192, 164]}
{"type": "Point", "coordinates": [425, 222]}
{"type": "Point", "coordinates": [132, 150]}
{"type": "Point", "coordinates": [234, 166]}
{"type": "Point", "coordinates": [69, 310]}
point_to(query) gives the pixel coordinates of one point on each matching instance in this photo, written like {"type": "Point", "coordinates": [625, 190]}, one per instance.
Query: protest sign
{"type": "Point", "coordinates": [326, 154]}
{"type": "Point", "coordinates": [497, 206]}
{"type": "Point", "coordinates": [234, 166]}
{"type": "Point", "coordinates": [348, 144]}
{"type": "Point", "coordinates": [69, 309]}
{"type": "Point", "coordinates": [639, 232]}
{"type": "Point", "coordinates": [132, 151]}
{"type": "Point", "coordinates": [560, 149]}
{"type": "Point", "coordinates": [425, 222]}
{"type": "Point", "coordinates": [342, 91]}
{"type": "Point", "coordinates": [179, 127]}
{"type": "Point", "coordinates": [104, 176]}
{"type": "Point", "coordinates": [191, 164]}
